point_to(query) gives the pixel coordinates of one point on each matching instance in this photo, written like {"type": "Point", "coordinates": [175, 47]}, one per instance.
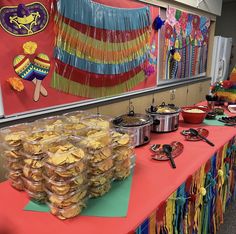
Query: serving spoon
{"type": "Point", "coordinates": [167, 149]}
{"type": "Point", "coordinates": [194, 132]}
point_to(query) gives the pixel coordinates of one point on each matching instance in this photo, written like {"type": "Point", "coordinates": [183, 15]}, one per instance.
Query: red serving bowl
{"type": "Point", "coordinates": [190, 114]}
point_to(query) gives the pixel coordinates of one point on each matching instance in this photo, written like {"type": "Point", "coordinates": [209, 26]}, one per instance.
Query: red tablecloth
{"type": "Point", "coordinates": [152, 183]}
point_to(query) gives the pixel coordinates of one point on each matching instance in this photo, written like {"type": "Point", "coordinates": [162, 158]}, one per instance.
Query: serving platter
{"type": "Point", "coordinates": [228, 120]}
{"type": "Point", "coordinates": [189, 137]}
{"type": "Point", "coordinates": [177, 149]}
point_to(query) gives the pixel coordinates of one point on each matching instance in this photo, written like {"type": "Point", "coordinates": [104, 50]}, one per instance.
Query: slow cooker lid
{"type": "Point", "coordinates": [132, 120]}
{"type": "Point", "coordinates": [163, 109]}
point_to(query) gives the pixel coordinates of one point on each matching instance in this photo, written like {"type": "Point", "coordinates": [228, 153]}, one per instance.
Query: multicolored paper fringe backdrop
{"type": "Point", "coordinates": [100, 50]}
{"type": "Point", "coordinates": [187, 34]}
{"type": "Point", "coordinates": [198, 205]}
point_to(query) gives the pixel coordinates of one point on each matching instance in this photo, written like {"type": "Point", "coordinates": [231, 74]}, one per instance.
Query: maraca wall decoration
{"type": "Point", "coordinates": [34, 71]}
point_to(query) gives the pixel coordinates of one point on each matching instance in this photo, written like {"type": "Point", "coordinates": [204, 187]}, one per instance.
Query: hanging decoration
{"type": "Point", "coordinates": [96, 55]}
{"type": "Point", "coordinates": [24, 20]}
{"type": "Point", "coordinates": [152, 62]}
{"type": "Point", "coordinates": [187, 34]}
{"type": "Point", "coordinates": [158, 23]}
{"type": "Point", "coordinates": [198, 204]}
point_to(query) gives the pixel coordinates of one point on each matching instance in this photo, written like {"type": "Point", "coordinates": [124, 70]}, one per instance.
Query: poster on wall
{"type": "Point", "coordinates": [53, 54]}
{"type": "Point", "coordinates": [184, 45]}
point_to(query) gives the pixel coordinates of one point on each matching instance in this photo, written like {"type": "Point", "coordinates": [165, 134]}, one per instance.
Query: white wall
{"type": "Point", "coordinates": [211, 6]}
{"type": "Point", "coordinates": [226, 26]}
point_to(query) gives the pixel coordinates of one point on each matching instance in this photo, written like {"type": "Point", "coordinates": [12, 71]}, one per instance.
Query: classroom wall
{"type": "Point", "coordinates": [181, 96]}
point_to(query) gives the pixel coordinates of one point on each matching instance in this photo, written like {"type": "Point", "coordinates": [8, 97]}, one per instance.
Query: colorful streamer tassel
{"type": "Point", "coordinates": [198, 205]}
{"type": "Point", "coordinates": [96, 55]}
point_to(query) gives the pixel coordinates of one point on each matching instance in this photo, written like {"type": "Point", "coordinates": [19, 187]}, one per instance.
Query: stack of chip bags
{"type": "Point", "coordinates": [97, 143]}
{"type": "Point", "coordinates": [65, 174]}
{"type": "Point", "coordinates": [73, 125]}
{"type": "Point", "coordinates": [123, 149]}
{"type": "Point", "coordinates": [11, 142]}
{"type": "Point", "coordinates": [76, 116]}
{"type": "Point", "coordinates": [53, 123]}
{"type": "Point", "coordinates": [35, 147]}
{"type": "Point", "coordinates": [64, 160]}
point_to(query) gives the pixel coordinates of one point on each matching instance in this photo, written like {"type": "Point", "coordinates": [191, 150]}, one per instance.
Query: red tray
{"type": "Point", "coordinates": [177, 149]}
{"type": "Point", "coordinates": [189, 137]}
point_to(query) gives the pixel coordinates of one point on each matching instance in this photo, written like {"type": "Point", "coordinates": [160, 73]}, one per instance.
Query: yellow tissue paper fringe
{"type": "Point", "coordinates": [75, 88]}
{"type": "Point", "coordinates": [170, 211]}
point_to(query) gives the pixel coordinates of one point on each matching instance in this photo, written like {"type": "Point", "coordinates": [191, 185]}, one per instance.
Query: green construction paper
{"type": "Point", "coordinates": [214, 122]}
{"type": "Point", "coordinates": [34, 206]}
{"type": "Point", "coordinates": [113, 204]}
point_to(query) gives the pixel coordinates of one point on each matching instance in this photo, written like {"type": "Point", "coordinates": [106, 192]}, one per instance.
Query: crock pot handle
{"type": "Point", "coordinates": [131, 113]}
{"type": "Point", "coordinates": [146, 139]}
{"type": "Point", "coordinates": [163, 104]}
{"type": "Point", "coordinates": [156, 122]}
{"type": "Point", "coordinates": [131, 109]}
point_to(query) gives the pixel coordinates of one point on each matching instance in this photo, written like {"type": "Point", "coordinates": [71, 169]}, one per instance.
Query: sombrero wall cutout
{"type": "Point", "coordinates": [24, 20]}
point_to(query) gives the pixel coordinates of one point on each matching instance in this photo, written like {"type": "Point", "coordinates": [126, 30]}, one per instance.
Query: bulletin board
{"type": "Point", "coordinates": [185, 45]}
{"type": "Point", "coordinates": [51, 57]}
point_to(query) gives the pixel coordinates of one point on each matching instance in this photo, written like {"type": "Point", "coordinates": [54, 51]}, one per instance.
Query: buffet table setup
{"type": "Point", "coordinates": [158, 198]}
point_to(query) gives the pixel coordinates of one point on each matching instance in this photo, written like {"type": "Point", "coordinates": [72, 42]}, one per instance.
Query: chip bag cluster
{"type": "Point", "coordinates": [65, 160]}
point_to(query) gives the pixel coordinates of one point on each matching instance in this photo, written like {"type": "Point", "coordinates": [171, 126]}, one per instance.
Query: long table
{"type": "Point", "coordinates": [153, 183]}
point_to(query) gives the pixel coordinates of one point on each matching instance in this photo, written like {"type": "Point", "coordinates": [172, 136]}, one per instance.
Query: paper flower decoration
{"type": "Point", "coordinates": [168, 31]}
{"type": "Point", "coordinates": [227, 160]}
{"type": "Point", "coordinates": [178, 14]}
{"type": "Point", "coordinates": [213, 182]}
{"type": "Point", "coordinates": [188, 29]}
{"type": "Point", "coordinates": [192, 197]}
{"type": "Point", "coordinates": [196, 22]}
{"type": "Point", "coordinates": [180, 201]}
{"type": "Point", "coordinates": [222, 85]}
{"type": "Point", "coordinates": [203, 21]}
{"type": "Point", "coordinates": [16, 83]}
{"type": "Point", "coordinates": [172, 51]}
{"type": "Point", "coordinates": [220, 173]}
{"type": "Point", "coordinates": [149, 70]}
{"type": "Point", "coordinates": [177, 56]}
{"type": "Point", "coordinates": [177, 28]}
{"type": "Point", "coordinates": [30, 47]}
{"type": "Point", "coordinates": [183, 20]}
{"type": "Point", "coordinates": [226, 84]}
{"type": "Point", "coordinates": [202, 191]}
{"type": "Point", "coordinates": [199, 36]}
{"type": "Point", "coordinates": [157, 23]}
{"type": "Point", "coordinates": [170, 15]}
{"type": "Point", "coordinates": [190, 18]}
{"type": "Point", "coordinates": [234, 147]}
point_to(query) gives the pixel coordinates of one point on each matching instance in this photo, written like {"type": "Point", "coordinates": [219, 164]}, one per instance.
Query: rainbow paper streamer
{"type": "Point", "coordinates": [198, 204]}
{"type": "Point", "coordinates": [96, 55]}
